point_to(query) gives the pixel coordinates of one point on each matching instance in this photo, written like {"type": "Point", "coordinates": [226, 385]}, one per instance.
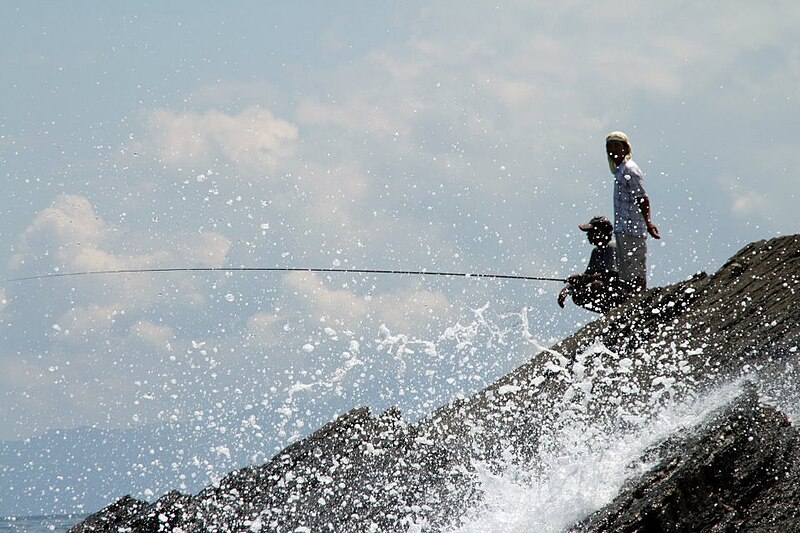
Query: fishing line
{"type": "Point", "coordinates": [280, 269]}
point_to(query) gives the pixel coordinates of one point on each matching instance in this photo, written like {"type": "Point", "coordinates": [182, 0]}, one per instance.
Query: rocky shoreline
{"type": "Point", "coordinates": [738, 472]}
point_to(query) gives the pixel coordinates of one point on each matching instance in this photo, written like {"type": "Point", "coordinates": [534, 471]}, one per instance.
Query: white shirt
{"type": "Point", "coordinates": [628, 186]}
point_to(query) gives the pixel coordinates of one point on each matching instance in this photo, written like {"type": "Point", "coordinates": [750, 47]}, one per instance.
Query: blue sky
{"type": "Point", "coordinates": [409, 135]}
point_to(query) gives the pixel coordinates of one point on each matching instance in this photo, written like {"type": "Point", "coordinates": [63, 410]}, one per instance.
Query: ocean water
{"type": "Point", "coordinates": [38, 524]}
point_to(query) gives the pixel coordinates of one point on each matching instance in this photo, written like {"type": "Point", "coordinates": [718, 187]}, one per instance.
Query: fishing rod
{"type": "Point", "coordinates": [280, 269]}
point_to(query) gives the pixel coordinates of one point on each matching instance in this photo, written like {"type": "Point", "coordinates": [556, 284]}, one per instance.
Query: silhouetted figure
{"type": "Point", "coordinates": [598, 289]}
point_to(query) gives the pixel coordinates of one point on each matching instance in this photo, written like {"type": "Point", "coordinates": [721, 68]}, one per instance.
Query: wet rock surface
{"type": "Point", "coordinates": [738, 472]}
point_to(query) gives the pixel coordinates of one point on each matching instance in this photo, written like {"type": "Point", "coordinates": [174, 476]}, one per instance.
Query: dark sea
{"type": "Point", "coordinates": [38, 524]}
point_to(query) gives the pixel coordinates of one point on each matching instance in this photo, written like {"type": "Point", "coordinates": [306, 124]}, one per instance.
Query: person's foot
{"type": "Point", "coordinates": [639, 285]}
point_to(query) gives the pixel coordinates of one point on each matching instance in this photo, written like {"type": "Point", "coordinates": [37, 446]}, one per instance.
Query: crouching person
{"type": "Point", "coordinates": [598, 289]}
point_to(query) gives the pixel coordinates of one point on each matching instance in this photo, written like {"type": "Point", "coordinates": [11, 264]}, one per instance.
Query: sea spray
{"type": "Point", "coordinates": [579, 468]}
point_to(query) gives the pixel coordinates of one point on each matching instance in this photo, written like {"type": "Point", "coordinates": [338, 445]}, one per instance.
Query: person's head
{"type": "Point", "coordinates": [618, 149]}
{"type": "Point", "coordinates": [599, 231]}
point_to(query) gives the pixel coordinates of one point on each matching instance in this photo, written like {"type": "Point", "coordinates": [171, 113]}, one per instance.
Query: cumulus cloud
{"type": "Point", "coordinates": [409, 309]}
{"type": "Point", "coordinates": [340, 304]}
{"type": "Point", "coordinates": [152, 335]}
{"type": "Point", "coordinates": [254, 137]}
{"type": "Point", "coordinates": [70, 236]}
{"type": "Point", "coordinates": [64, 229]}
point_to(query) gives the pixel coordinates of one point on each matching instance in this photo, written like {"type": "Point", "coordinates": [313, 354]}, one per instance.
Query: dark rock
{"type": "Point", "coordinates": [360, 472]}
{"type": "Point", "coordinates": [740, 472]}
{"type": "Point", "coordinates": [116, 515]}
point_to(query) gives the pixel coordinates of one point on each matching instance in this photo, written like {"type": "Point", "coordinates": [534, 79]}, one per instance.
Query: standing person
{"type": "Point", "coordinates": [632, 221]}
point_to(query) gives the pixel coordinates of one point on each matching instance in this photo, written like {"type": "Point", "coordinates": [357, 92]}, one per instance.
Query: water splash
{"type": "Point", "coordinates": [579, 469]}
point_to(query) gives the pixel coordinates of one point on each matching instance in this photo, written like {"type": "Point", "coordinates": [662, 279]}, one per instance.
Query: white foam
{"type": "Point", "coordinates": [581, 469]}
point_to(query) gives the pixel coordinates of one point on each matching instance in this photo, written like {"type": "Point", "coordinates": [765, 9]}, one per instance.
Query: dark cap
{"type": "Point", "coordinates": [597, 223]}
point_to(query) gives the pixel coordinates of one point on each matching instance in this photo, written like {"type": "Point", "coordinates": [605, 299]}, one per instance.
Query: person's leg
{"type": "Point", "coordinates": [623, 260]}
{"type": "Point", "coordinates": [639, 260]}
{"type": "Point", "coordinates": [632, 257]}
{"type": "Point", "coordinates": [580, 296]}
{"type": "Point", "coordinates": [590, 296]}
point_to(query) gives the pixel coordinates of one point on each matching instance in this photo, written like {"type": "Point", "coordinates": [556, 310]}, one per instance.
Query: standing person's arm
{"type": "Point", "coordinates": [635, 180]}
{"type": "Point", "coordinates": [644, 206]}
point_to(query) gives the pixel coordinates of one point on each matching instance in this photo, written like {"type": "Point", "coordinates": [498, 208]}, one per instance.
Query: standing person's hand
{"type": "Point", "coordinates": [653, 230]}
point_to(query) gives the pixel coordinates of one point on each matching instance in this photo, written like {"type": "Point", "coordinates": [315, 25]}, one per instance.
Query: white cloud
{"type": "Point", "coordinates": [410, 309]}
{"type": "Point", "coordinates": [153, 335]}
{"type": "Point", "coordinates": [80, 324]}
{"type": "Point", "coordinates": [70, 222]}
{"type": "Point", "coordinates": [342, 304]}
{"type": "Point", "coordinates": [413, 309]}
{"type": "Point", "coordinates": [253, 138]}
{"type": "Point", "coordinates": [749, 203]}
{"type": "Point", "coordinates": [71, 236]}
{"type": "Point", "coordinates": [207, 249]}
{"type": "Point", "coordinates": [263, 328]}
